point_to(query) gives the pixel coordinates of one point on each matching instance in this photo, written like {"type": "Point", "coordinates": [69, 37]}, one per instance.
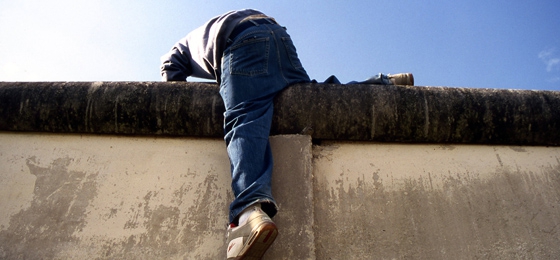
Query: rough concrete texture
{"type": "Point", "coordinates": [420, 114]}
{"type": "Point", "coordinates": [115, 197]}
{"type": "Point", "coordinates": [338, 112]}
{"type": "Point", "coordinates": [387, 201]}
{"type": "Point", "coordinates": [292, 187]}
{"type": "Point", "coordinates": [109, 197]}
{"type": "Point", "coordinates": [148, 108]}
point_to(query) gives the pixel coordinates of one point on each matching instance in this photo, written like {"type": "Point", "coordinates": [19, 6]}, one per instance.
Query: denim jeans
{"type": "Point", "coordinates": [256, 65]}
{"type": "Point", "coordinates": [379, 79]}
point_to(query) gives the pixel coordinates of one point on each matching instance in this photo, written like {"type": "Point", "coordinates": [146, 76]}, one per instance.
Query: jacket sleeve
{"type": "Point", "coordinates": [176, 64]}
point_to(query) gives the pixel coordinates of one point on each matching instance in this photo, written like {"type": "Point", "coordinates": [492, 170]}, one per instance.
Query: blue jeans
{"type": "Point", "coordinates": [379, 79]}
{"type": "Point", "coordinates": [257, 65]}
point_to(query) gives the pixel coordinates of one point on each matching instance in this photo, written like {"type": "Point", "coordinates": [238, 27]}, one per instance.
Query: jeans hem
{"type": "Point", "coordinates": [269, 206]}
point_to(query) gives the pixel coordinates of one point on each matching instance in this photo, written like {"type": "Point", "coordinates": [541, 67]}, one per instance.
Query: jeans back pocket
{"type": "Point", "coordinates": [249, 57]}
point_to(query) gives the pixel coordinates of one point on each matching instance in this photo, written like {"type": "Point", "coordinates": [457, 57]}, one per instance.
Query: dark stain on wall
{"type": "Point", "coordinates": [57, 211]}
{"type": "Point", "coordinates": [511, 215]}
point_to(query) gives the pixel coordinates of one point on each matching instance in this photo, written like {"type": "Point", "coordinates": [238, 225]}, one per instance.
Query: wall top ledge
{"type": "Point", "coordinates": [324, 111]}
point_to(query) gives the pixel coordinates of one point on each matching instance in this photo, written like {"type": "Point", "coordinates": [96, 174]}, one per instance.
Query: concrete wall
{"type": "Point", "coordinates": [388, 201]}
{"type": "Point", "coordinates": [113, 197]}
{"type": "Point", "coordinates": [139, 171]}
{"type": "Point", "coordinates": [325, 112]}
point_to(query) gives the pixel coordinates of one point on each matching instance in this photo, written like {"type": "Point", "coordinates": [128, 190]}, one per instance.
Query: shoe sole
{"type": "Point", "coordinates": [404, 79]}
{"type": "Point", "coordinates": [260, 240]}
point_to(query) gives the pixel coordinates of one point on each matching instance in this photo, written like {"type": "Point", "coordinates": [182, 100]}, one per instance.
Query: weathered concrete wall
{"type": "Point", "coordinates": [387, 201]}
{"type": "Point", "coordinates": [420, 114]}
{"type": "Point", "coordinates": [154, 108]}
{"type": "Point", "coordinates": [337, 112]}
{"type": "Point", "coordinates": [109, 197]}
{"type": "Point", "coordinates": [113, 170]}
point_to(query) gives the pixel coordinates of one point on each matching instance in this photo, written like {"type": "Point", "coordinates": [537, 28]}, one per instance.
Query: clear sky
{"type": "Point", "coordinates": [460, 43]}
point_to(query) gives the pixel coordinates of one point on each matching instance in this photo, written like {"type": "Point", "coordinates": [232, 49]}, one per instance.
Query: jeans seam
{"type": "Point", "coordinates": [296, 65]}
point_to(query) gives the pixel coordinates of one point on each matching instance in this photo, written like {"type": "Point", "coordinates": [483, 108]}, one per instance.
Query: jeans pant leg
{"type": "Point", "coordinates": [379, 79]}
{"type": "Point", "coordinates": [255, 67]}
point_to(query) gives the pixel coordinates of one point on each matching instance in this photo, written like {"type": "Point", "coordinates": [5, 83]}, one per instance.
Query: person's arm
{"type": "Point", "coordinates": [176, 64]}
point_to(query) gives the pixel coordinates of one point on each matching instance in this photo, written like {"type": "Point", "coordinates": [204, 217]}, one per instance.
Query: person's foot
{"type": "Point", "coordinates": [402, 79]}
{"type": "Point", "coordinates": [251, 239]}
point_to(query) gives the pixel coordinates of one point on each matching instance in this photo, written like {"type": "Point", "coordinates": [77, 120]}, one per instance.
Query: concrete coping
{"type": "Point", "coordinates": [324, 111]}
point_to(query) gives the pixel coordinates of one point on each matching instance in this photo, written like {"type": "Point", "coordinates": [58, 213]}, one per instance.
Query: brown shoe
{"type": "Point", "coordinates": [402, 79]}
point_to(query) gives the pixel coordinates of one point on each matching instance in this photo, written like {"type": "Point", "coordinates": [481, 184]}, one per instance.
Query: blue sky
{"type": "Point", "coordinates": [477, 43]}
